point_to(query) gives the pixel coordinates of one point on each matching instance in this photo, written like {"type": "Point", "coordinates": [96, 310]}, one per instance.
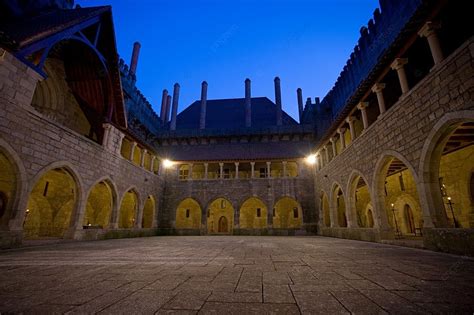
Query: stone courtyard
{"type": "Point", "coordinates": [232, 274]}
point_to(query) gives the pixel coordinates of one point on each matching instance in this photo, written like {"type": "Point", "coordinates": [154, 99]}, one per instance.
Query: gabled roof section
{"type": "Point", "coordinates": [230, 114]}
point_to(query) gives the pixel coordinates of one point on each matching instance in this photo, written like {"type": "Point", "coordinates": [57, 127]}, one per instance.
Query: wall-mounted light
{"type": "Point", "coordinates": [167, 163]}
{"type": "Point", "coordinates": [311, 159]}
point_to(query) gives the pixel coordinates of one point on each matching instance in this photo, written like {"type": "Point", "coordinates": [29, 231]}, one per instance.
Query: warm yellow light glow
{"type": "Point", "coordinates": [449, 198]}
{"type": "Point", "coordinates": [311, 159]}
{"type": "Point", "coordinates": [167, 163]}
{"type": "Point", "coordinates": [392, 205]}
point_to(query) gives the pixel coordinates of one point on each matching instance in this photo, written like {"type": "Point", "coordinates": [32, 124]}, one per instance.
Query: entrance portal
{"type": "Point", "coordinates": [223, 226]}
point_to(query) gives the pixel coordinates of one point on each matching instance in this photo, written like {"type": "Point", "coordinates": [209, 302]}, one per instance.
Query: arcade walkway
{"type": "Point", "coordinates": [231, 274]}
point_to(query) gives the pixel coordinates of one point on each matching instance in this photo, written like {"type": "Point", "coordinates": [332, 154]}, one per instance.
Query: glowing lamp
{"type": "Point", "coordinates": [167, 163]}
{"type": "Point", "coordinates": [311, 159]}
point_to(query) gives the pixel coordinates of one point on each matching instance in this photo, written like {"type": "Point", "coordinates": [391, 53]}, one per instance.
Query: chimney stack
{"type": "Point", "coordinates": [299, 94]}
{"type": "Point", "coordinates": [163, 106]}
{"type": "Point", "coordinates": [202, 116]}
{"type": "Point", "coordinates": [278, 101]}
{"type": "Point", "coordinates": [174, 110]}
{"type": "Point", "coordinates": [168, 107]}
{"type": "Point", "coordinates": [134, 61]}
{"type": "Point", "coordinates": [248, 104]}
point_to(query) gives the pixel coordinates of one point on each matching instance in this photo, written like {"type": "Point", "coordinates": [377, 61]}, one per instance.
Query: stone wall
{"type": "Point", "coordinates": [36, 144]}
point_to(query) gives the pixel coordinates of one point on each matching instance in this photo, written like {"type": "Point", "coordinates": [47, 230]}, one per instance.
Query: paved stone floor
{"type": "Point", "coordinates": [231, 274]}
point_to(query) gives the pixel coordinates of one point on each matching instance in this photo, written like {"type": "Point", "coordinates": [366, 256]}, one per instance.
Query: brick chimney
{"type": "Point", "coordinates": [279, 119]}
{"type": "Point", "coordinates": [174, 110]}
{"type": "Point", "coordinates": [248, 104]}
{"type": "Point", "coordinates": [134, 61]}
{"type": "Point", "coordinates": [202, 116]}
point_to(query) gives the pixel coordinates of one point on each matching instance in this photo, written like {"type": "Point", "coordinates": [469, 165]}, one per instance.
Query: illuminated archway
{"type": "Point", "coordinates": [253, 214]}
{"type": "Point", "coordinates": [359, 199]}
{"type": "Point", "coordinates": [51, 204]}
{"type": "Point", "coordinates": [339, 206]}
{"type": "Point", "coordinates": [100, 203]}
{"type": "Point", "coordinates": [287, 214]}
{"type": "Point", "coordinates": [188, 214]}
{"type": "Point", "coordinates": [325, 209]}
{"type": "Point", "coordinates": [128, 210]}
{"type": "Point", "coordinates": [148, 213]}
{"type": "Point", "coordinates": [220, 214]}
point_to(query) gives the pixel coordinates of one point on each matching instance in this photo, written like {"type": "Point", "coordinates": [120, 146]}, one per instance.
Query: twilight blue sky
{"type": "Point", "coordinates": [304, 42]}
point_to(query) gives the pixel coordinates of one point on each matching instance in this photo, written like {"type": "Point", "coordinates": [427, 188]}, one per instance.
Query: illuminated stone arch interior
{"type": "Point", "coordinates": [400, 191]}
{"type": "Point", "coordinates": [148, 213]}
{"type": "Point", "coordinates": [369, 216]}
{"type": "Point", "coordinates": [339, 204]}
{"type": "Point", "coordinates": [8, 182]}
{"type": "Point", "coordinates": [99, 205]}
{"type": "Point", "coordinates": [128, 210]}
{"type": "Point", "coordinates": [50, 205]}
{"type": "Point", "coordinates": [253, 214]}
{"type": "Point", "coordinates": [325, 209]}
{"type": "Point", "coordinates": [220, 217]}
{"type": "Point", "coordinates": [126, 148]}
{"type": "Point", "coordinates": [188, 214]}
{"type": "Point", "coordinates": [287, 214]}
{"type": "Point", "coordinates": [456, 175]}
{"type": "Point", "coordinates": [360, 199]}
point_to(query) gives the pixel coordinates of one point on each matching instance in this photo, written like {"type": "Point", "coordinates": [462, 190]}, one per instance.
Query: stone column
{"type": "Point", "coordinates": [429, 31]}
{"type": "Point", "coordinates": [299, 94]}
{"type": "Point", "coordinates": [284, 168]}
{"type": "Point", "coordinates": [190, 171]}
{"type": "Point", "coordinates": [221, 170]}
{"type": "Point", "coordinates": [269, 169]}
{"type": "Point", "coordinates": [142, 159]}
{"type": "Point", "coordinates": [206, 167]}
{"type": "Point", "coordinates": [202, 116]}
{"type": "Point", "coordinates": [248, 104]}
{"type": "Point", "coordinates": [163, 105]}
{"type": "Point", "coordinates": [252, 171]}
{"type": "Point", "coordinates": [350, 120]}
{"type": "Point", "coordinates": [236, 170]}
{"type": "Point", "coordinates": [132, 150]}
{"type": "Point", "coordinates": [398, 65]}
{"type": "Point", "coordinates": [378, 90]}
{"type": "Point", "coordinates": [326, 153]}
{"type": "Point", "coordinates": [333, 144]}
{"type": "Point", "coordinates": [362, 106]}
{"type": "Point", "coordinates": [152, 163]}
{"type": "Point", "coordinates": [341, 132]}
{"type": "Point", "coordinates": [279, 116]}
{"type": "Point", "coordinates": [174, 110]}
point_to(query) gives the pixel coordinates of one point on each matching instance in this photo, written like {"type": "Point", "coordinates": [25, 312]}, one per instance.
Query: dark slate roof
{"type": "Point", "coordinates": [230, 114]}
{"type": "Point", "coordinates": [237, 151]}
{"type": "Point", "coordinates": [19, 32]}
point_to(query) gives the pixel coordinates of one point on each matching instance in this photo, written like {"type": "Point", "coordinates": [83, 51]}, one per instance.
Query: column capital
{"type": "Point", "coordinates": [350, 119]}
{"type": "Point", "coordinates": [134, 144]}
{"type": "Point", "coordinates": [252, 163]}
{"type": "Point", "coordinates": [284, 162]}
{"type": "Point", "coordinates": [362, 105]}
{"type": "Point", "coordinates": [378, 87]}
{"type": "Point", "coordinates": [325, 147]}
{"type": "Point", "coordinates": [428, 29]}
{"type": "Point", "coordinates": [332, 139]}
{"type": "Point", "coordinates": [145, 151]}
{"type": "Point", "coordinates": [398, 63]}
{"type": "Point", "coordinates": [268, 162]}
{"type": "Point", "coordinates": [221, 164]}
{"type": "Point", "coordinates": [205, 164]}
{"type": "Point", "coordinates": [236, 163]}
{"type": "Point", "coordinates": [341, 130]}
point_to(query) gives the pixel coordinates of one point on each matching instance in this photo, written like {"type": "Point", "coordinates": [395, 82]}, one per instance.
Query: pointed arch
{"type": "Point", "coordinates": [288, 213]}
{"type": "Point", "coordinates": [338, 205]}
{"type": "Point", "coordinates": [253, 214]}
{"type": "Point", "coordinates": [358, 197]}
{"type": "Point", "coordinates": [216, 209]}
{"type": "Point", "coordinates": [129, 205]}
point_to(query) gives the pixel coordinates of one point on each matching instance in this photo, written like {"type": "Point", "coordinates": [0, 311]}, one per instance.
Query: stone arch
{"type": "Point", "coordinates": [55, 202]}
{"type": "Point", "coordinates": [385, 186]}
{"type": "Point", "coordinates": [16, 189]}
{"type": "Point", "coordinates": [216, 209]}
{"type": "Point", "coordinates": [253, 214]}
{"type": "Point", "coordinates": [101, 203]}
{"type": "Point", "coordinates": [433, 200]}
{"type": "Point", "coordinates": [188, 214]}
{"type": "Point", "coordinates": [325, 209]}
{"type": "Point", "coordinates": [338, 205]}
{"type": "Point", "coordinates": [369, 216]}
{"type": "Point", "coordinates": [149, 210]}
{"type": "Point", "coordinates": [358, 197]}
{"type": "Point", "coordinates": [129, 206]}
{"type": "Point", "coordinates": [288, 213]}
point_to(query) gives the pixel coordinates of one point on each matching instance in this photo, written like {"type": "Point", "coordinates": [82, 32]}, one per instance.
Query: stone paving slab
{"type": "Point", "coordinates": [233, 275]}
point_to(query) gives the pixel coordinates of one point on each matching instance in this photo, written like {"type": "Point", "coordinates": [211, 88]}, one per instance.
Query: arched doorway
{"type": "Point", "coordinates": [128, 210]}
{"type": "Point", "coordinates": [397, 188]}
{"type": "Point", "coordinates": [220, 211]}
{"type": "Point", "coordinates": [339, 204]}
{"type": "Point", "coordinates": [148, 213]}
{"type": "Point", "coordinates": [409, 219]}
{"type": "Point", "coordinates": [287, 214]}
{"type": "Point", "coordinates": [51, 204]}
{"type": "Point", "coordinates": [325, 209]}
{"type": "Point", "coordinates": [359, 198]}
{"type": "Point", "coordinates": [99, 205]}
{"type": "Point", "coordinates": [253, 214]}
{"type": "Point", "coordinates": [188, 214]}
{"type": "Point", "coordinates": [8, 182]}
